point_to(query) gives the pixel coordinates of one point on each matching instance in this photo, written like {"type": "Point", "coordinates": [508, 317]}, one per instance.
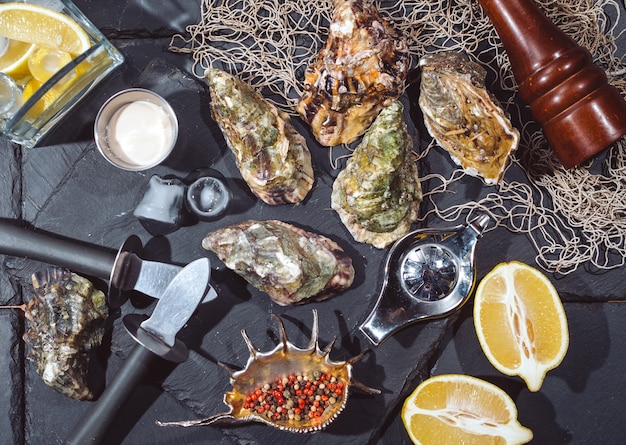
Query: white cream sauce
{"type": "Point", "coordinates": [140, 133]}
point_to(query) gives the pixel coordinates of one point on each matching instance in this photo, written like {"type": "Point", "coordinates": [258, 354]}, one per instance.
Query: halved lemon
{"type": "Point", "coordinates": [520, 322]}
{"type": "Point", "coordinates": [459, 409]}
{"type": "Point", "coordinates": [14, 61]}
{"type": "Point", "coordinates": [42, 26]}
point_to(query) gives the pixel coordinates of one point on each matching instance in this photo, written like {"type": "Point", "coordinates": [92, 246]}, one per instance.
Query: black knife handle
{"type": "Point", "coordinates": [96, 425]}
{"type": "Point", "coordinates": [22, 242]}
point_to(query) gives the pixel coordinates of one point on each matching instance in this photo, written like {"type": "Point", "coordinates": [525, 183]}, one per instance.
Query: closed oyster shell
{"type": "Point", "coordinates": [462, 117]}
{"type": "Point", "coordinates": [361, 69]}
{"type": "Point", "coordinates": [377, 195]}
{"type": "Point", "coordinates": [293, 266]}
{"type": "Point", "coordinates": [271, 155]}
{"type": "Point", "coordinates": [65, 321]}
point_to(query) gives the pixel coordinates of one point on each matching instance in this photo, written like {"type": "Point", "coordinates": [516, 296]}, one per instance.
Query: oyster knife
{"type": "Point", "coordinates": [124, 269]}
{"type": "Point", "coordinates": [156, 337]}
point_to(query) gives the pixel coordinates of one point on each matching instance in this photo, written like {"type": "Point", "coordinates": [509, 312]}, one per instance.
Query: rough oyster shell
{"type": "Point", "coordinates": [462, 117]}
{"type": "Point", "coordinates": [291, 265]}
{"type": "Point", "coordinates": [377, 195]}
{"type": "Point", "coordinates": [268, 372]}
{"type": "Point", "coordinates": [271, 155]}
{"type": "Point", "coordinates": [65, 321]}
{"type": "Point", "coordinates": [362, 68]}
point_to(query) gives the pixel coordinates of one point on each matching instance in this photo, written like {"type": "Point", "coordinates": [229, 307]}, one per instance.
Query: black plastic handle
{"type": "Point", "coordinates": [96, 425]}
{"type": "Point", "coordinates": [86, 259]}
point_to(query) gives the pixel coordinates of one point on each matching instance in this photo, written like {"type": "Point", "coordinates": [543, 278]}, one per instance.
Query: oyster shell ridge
{"type": "Point", "coordinates": [361, 68]}
{"type": "Point", "coordinates": [272, 157]}
{"type": "Point", "coordinates": [290, 264]}
{"type": "Point", "coordinates": [65, 321]}
{"type": "Point", "coordinates": [377, 195]}
{"type": "Point", "coordinates": [463, 117]}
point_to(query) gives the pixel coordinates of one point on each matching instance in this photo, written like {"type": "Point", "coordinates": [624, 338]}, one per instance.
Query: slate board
{"type": "Point", "coordinates": [65, 187]}
{"type": "Point", "coordinates": [105, 197]}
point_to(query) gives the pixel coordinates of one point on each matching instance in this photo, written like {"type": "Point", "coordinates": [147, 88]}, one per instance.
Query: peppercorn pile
{"type": "Point", "coordinates": [297, 397]}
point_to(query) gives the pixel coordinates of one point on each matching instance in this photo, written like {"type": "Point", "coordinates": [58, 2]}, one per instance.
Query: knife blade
{"type": "Point", "coordinates": [124, 270]}
{"type": "Point", "coordinates": [155, 337]}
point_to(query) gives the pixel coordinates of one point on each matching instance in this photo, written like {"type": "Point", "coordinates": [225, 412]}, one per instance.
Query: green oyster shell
{"type": "Point", "coordinates": [291, 265]}
{"type": "Point", "coordinates": [377, 195]}
{"type": "Point", "coordinates": [271, 155]}
{"type": "Point", "coordinates": [65, 321]}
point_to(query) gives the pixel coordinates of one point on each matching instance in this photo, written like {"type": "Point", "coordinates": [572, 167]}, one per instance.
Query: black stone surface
{"type": "Point", "coordinates": [65, 187]}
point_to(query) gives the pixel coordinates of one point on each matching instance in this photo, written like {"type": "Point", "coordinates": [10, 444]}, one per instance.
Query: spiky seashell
{"type": "Point", "coordinates": [65, 321]}
{"type": "Point", "coordinates": [462, 117]}
{"type": "Point", "coordinates": [273, 375]}
{"type": "Point", "coordinates": [377, 195]}
{"type": "Point", "coordinates": [293, 266]}
{"type": "Point", "coordinates": [361, 69]}
{"type": "Point", "coordinates": [271, 155]}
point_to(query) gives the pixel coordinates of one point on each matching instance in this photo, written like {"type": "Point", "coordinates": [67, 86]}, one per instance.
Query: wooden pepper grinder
{"type": "Point", "coordinates": [568, 94]}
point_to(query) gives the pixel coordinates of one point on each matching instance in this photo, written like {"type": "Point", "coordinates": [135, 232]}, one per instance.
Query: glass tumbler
{"type": "Point", "coordinates": [49, 91]}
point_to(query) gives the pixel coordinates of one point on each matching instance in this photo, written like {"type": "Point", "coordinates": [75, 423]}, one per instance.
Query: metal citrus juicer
{"type": "Point", "coordinates": [429, 273]}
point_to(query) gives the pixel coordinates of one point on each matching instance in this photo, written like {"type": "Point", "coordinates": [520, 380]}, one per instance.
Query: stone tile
{"type": "Point", "coordinates": [579, 403]}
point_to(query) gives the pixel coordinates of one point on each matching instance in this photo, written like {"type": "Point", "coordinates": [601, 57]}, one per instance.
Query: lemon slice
{"type": "Point", "coordinates": [42, 26]}
{"type": "Point", "coordinates": [459, 409]}
{"type": "Point", "coordinates": [45, 62]}
{"type": "Point", "coordinates": [46, 101]}
{"type": "Point", "coordinates": [14, 61]}
{"type": "Point", "coordinates": [520, 322]}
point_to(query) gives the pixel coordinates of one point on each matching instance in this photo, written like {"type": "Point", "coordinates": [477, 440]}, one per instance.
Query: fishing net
{"type": "Point", "coordinates": [572, 217]}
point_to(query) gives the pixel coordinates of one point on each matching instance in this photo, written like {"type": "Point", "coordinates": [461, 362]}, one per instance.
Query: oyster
{"type": "Point", "coordinates": [65, 321]}
{"type": "Point", "coordinates": [462, 117]}
{"type": "Point", "coordinates": [271, 387]}
{"type": "Point", "coordinates": [361, 69]}
{"type": "Point", "coordinates": [271, 155]}
{"type": "Point", "coordinates": [378, 194]}
{"type": "Point", "coordinates": [291, 265]}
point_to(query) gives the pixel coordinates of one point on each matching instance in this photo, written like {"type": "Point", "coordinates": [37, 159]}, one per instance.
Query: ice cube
{"type": "Point", "coordinates": [208, 198]}
{"type": "Point", "coordinates": [160, 209]}
{"type": "Point", "coordinates": [10, 97]}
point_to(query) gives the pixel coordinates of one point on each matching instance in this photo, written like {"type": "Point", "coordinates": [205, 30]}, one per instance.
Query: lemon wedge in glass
{"type": "Point", "coordinates": [42, 26]}
{"type": "Point", "coordinates": [14, 58]}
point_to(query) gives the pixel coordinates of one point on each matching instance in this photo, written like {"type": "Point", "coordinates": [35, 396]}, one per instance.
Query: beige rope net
{"type": "Point", "coordinates": [573, 217]}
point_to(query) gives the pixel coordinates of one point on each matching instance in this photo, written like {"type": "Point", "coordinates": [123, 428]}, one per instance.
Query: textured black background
{"type": "Point", "coordinates": [65, 187]}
